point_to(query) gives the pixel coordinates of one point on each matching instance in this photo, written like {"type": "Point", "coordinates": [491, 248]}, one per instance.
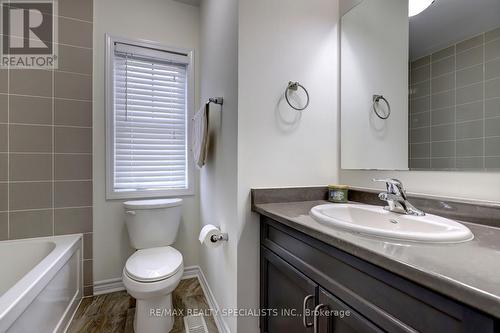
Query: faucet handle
{"type": "Point", "coordinates": [394, 186]}
{"type": "Point", "coordinates": [396, 197]}
{"type": "Point", "coordinates": [391, 181]}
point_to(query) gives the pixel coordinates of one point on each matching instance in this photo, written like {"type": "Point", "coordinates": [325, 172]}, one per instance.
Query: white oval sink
{"type": "Point", "coordinates": [376, 221]}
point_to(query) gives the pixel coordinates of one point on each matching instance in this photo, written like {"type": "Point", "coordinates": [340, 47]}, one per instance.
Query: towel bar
{"type": "Point", "coordinates": [216, 100]}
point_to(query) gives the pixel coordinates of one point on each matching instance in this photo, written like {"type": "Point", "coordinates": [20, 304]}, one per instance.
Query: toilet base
{"type": "Point", "coordinates": [154, 315]}
{"type": "Point", "coordinates": [153, 311]}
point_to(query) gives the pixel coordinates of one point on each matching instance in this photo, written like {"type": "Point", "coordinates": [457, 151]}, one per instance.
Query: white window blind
{"type": "Point", "coordinates": [150, 120]}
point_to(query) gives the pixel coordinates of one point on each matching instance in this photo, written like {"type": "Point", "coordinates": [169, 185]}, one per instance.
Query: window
{"type": "Point", "coordinates": [149, 94]}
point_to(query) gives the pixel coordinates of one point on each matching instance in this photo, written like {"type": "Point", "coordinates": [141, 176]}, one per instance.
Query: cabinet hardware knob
{"type": "Point", "coordinates": [304, 308]}
{"type": "Point", "coordinates": [316, 316]}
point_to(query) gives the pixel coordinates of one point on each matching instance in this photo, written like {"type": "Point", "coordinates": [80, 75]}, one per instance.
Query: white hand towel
{"type": "Point", "coordinates": [200, 136]}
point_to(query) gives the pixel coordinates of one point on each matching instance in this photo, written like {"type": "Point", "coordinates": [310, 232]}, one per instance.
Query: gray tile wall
{"type": "Point", "coordinates": [46, 140]}
{"type": "Point", "coordinates": [455, 106]}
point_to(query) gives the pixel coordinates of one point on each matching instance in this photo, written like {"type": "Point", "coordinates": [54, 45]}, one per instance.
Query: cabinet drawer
{"type": "Point", "coordinates": [391, 302]}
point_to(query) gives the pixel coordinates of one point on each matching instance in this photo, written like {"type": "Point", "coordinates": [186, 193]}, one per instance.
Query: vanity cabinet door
{"type": "Point", "coordinates": [285, 293]}
{"type": "Point", "coordinates": [334, 316]}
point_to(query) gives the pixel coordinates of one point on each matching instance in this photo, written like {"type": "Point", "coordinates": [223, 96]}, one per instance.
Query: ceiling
{"type": "Point", "coordinates": [449, 21]}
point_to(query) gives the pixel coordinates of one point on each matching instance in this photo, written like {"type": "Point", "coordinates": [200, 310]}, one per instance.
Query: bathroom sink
{"type": "Point", "coordinates": [376, 221]}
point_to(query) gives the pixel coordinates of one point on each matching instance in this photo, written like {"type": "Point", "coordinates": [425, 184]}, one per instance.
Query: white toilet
{"type": "Point", "coordinates": [153, 272]}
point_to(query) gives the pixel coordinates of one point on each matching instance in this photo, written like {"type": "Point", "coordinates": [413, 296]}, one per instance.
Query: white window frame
{"type": "Point", "coordinates": [109, 97]}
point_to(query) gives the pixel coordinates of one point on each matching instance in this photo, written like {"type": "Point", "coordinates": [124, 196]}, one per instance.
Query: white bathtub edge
{"type": "Point", "coordinates": [12, 303]}
{"type": "Point", "coordinates": [71, 312]}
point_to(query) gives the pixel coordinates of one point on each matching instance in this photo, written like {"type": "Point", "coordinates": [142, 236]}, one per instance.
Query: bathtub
{"type": "Point", "coordinates": [40, 283]}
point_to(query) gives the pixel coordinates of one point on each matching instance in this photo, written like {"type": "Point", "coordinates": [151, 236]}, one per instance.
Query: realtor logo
{"type": "Point", "coordinates": [29, 37]}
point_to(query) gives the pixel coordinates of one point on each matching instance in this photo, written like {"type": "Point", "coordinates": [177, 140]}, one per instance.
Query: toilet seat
{"type": "Point", "coordinates": [153, 264]}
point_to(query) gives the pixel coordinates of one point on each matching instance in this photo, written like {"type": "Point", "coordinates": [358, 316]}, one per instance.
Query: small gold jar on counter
{"type": "Point", "coordinates": [338, 193]}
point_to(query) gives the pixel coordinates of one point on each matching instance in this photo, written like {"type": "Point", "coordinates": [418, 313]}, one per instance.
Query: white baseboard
{"type": "Point", "coordinates": [108, 286]}
{"type": "Point", "coordinates": [113, 285]}
{"type": "Point", "coordinates": [212, 302]}
{"type": "Point", "coordinates": [190, 272]}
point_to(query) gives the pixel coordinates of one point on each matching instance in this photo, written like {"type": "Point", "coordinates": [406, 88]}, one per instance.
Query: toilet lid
{"type": "Point", "coordinates": [151, 204]}
{"type": "Point", "coordinates": [153, 264]}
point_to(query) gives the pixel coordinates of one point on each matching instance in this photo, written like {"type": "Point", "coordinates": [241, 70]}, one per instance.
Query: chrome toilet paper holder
{"type": "Point", "coordinates": [219, 238]}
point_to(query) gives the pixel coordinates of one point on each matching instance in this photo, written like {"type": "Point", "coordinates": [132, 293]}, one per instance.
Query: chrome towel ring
{"type": "Point", "coordinates": [294, 86]}
{"type": "Point", "coordinates": [376, 100]}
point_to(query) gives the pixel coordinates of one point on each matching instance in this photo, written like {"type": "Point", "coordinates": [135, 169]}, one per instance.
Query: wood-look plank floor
{"type": "Point", "coordinates": [114, 313]}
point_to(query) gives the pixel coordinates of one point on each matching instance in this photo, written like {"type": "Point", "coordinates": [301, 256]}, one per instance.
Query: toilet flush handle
{"type": "Point", "coordinates": [130, 212]}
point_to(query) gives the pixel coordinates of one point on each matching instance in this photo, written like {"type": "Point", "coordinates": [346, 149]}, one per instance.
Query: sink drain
{"type": "Point", "coordinates": [393, 221]}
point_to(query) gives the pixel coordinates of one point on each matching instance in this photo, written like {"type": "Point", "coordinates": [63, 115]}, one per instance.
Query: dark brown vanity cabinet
{"type": "Point", "coordinates": [290, 292]}
{"type": "Point", "coordinates": [290, 303]}
{"type": "Point", "coordinates": [310, 286]}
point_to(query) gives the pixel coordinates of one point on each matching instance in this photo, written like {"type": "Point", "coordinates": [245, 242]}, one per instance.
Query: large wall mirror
{"type": "Point", "coordinates": [420, 84]}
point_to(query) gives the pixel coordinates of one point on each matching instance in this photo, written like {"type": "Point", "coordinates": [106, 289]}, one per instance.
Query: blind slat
{"type": "Point", "coordinates": [146, 103]}
{"type": "Point", "coordinates": [140, 98]}
{"type": "Point", "coordinates": [121, 62]}
{"type": "Point", "coordinates": [149, 114]}
{"type": "Point", "coordinates": [121, 108]}
{"type": "Point", "coordinates": [150, 81]}
{"type": "Point", "coordinates": [146, 152]}
{"type": "Point", "coordinates": [145, 156]}
{"type": "Point", "coordinates": [139, 133]}
{"type": "Point", "coordinates": [148, 163]}
{"type": "Point", "coordinates": [124, 64]}
{"type": "Point", "coordinates": [147, 88]}
{"type": "Point", "coordinates": [142, 75]}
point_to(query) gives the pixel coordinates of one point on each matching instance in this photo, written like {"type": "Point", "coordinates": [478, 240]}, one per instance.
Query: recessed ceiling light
{"type": "Point", "coordinates": [415, 7]}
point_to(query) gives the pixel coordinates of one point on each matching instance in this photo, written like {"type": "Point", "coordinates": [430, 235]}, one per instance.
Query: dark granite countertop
{"type": "Point", "coordinates": [468, 272]}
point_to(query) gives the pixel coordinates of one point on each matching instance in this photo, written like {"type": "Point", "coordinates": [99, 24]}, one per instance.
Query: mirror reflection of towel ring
{"type": "Point", "coordinates": [294, 86]}
{"type": "Point", "coordinates": [376, 100]}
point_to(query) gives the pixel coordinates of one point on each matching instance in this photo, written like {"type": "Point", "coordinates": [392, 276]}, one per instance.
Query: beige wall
{"type": "Point", "coordinates": [218, 179]}
{"type": "Point", "coordinates": [169, 23]}
{"type": "Point", "coordinates": [277, 43]}
{"type": "Point", "coordinates": [253, 142]}
{"type": "Point", "coordinates": [46, 140]}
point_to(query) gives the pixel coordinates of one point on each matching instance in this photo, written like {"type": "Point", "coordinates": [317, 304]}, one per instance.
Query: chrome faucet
{"type": "Point", "coordinates": [396, 198]}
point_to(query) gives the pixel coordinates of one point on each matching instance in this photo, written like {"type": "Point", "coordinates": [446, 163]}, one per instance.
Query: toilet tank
{"type": "Point", "coordinates": [152, 223]}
